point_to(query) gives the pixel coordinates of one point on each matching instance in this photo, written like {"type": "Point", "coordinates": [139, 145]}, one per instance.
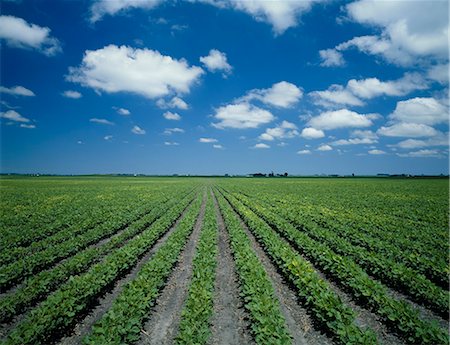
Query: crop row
{"type": "Point", "coordinates": [61, 309]}
{"type": "Point", "coordinates": [40, 285]}
{"type": "Point", "coordinates": [387, 243]}
{"type": "Point", "coordinates": [122, 323]}
{"type": "Point", "coordinates": [397, 314]}
{"type": "Point", "coordinates": [12, 253]}
{"type": "Point", "coordinates": [194, 326]}
{"type": "Point", "coordinates": [267, 322]}
{"type": "Point", "coordinates": [388, 271]}
{"type": "Point", "coordinates": [29, 265]}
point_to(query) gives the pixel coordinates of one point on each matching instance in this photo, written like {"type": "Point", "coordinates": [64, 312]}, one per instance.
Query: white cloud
{"type": "Point", "coordinates": [169, 131]}
{"type": "Point", "coordinates": [439, 73]}
{"type": "Point", "coordinates": [138, 130]}
{"type": "Point", "coordinates": [342, 118]}
{"type": "Point", "coordinates": [426, 111]}
{"type": "Point", "coordinates": [101, 8]}
{"type": "Point", "coordinates": [123, 111]}
{"type": "Point", "coordinates": [147, 72]}
{"type": "Point", "coordinates": [23, 125]}
{"type": "Point", "coordinates": [175, 102]}
{"type": "Point", "coordinates": [331, 58]}
{"type": "Point", "coordinates": [79, 142]}
{"type": "Point", "coordinates": [18, 33]}
{"type": "Point", "coordinates": [285, 130]}
{"type": "Point", "coordinates": [241, 116]}
{"type": "Point", "coordinates": [171, 116]}
{"type": "Point", "coordinates": [216, 61]}
{"type": "Point", "coordinates": [364, 134]}
{"type": "Point", "coordinates": [101, 121]}
{"type": "Point", "coordinates": [171, 143]}
{"type": "Point", "coordinates": [207, 140]}
{"type": "Point", "coordinates": [218, 146]}
{"type": "Point", "coordinates": [304, 152]}
{"type": "Point", "coordinates": [410, 30]}
{"type": "Point", "coordinates": [282, 15]}
{"type": "Point", "coordinates": [108, 137]}
{"type": "Point", "coordinates": [335, 95]}
{"type": "Point", "coordinates": [438, 140]}
{"type": "Point", "coordinates": [17, 91]}
{"type": "Point", "coordinates": [282, 94]}
{"type": "Point", "coordinates": [421, 153]}
{"type": "Point", "coordinates": [261, 146]}
{"type": "Point", "coordinates": [411, 130]}
{"type": "Point", "coordinates": [72, 94]}
{"type": "Point", "coordinates": [373, 87]}
{"type": "Point", "coordinates": [13, 116]}
{"type": "Point", "coordinates": [312, 133]}
{"type": "Point", "coordinates": [324, 147]}
{"type": "Point", "coordinates": [354, 141]}
{"type": "Point", "coordinates": [376, 152]}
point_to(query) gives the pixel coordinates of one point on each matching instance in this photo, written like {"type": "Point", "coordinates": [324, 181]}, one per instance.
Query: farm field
{"type": "Point", "coordinates": [139, 260]}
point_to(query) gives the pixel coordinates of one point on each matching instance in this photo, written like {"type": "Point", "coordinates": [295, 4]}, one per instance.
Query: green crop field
{"type": "Point", "coordinates": [178, 260]}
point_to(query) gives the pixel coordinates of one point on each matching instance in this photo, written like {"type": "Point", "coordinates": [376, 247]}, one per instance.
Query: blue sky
{"type": "Point", "coordinates": [220, 86]}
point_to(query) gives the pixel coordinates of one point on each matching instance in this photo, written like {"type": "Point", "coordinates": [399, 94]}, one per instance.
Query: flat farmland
{"type": "Point", "coordinates": [187, 260]}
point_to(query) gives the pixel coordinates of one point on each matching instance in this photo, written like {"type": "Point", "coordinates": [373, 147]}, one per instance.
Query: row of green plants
{"type": "Point", "coordinates": [267, 322]}
{"type": "Point", "coordinates": [373, 295]}
{"type": "Point", "coordinates": [29, 265]}
{"type": "Point", "coordinates": [61, 309]}
{"type": "Point", "coordinates": [397, 243]}
{"type": "Point", "coordinates": [123, 322]}
{"type": "Point", "coordinates": [390, 272]}
{"type": "Point", "coordinates": [40, 285]}
{"type": "Point", "coordinates": [13, 253]}
{"type": "Point", "coordinates": [325, 305]}
{"type": "Point", "coordinates": [194, 327]}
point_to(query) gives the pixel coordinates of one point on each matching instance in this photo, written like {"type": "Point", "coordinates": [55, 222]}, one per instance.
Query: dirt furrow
{"type": "Point", "coordinates": [230, 324]}
{"type": "Point", "coordinates": [85, 323]}
{"type": "Point", "coordinates": [162, 325]}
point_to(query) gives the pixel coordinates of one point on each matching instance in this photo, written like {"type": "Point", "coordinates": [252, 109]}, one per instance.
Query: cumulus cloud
{"type": "Point", "coordinates": [407, 34]}
{"type": "Point", "coordinates": [138, 130]}
{"type": "Point", "coordinates": [282, 95]}
{"type": "Point", "coordinates": [421, 153]}
{"type": "Point", "coordinates": [218, 146]}
{"type": "Point", "coordinates": [17, 91]}
{"type": "Point", "coordinates": [304, 152]}
{"type": "Point", "coordinates": [72, 94]}
{"type": "Point", "coordinates": [324, 148]}
{"type": "Point", "coordinates": [281, 15]}
{"type": "Point", "coordinates": [285, 130]}
{"type": "Point", "coordinates": [261, 146]}
{"type": "Point", "coordinates": [357, 90]}
{"type": "Point", "coordinates": [364, 134]}
{"type": "Point", "coordinates": [147, 72]}
{"type": "Point", "coordinates": [376, 152]}
{"type": "Point", "coordinates": [171, 116]}
{"type": "Point", "coordinates": [101, 121]}
{"type": "Point", "coordinates": [428, 111]}
{"type": "Point", "coordinates": [335, 95]}
{"type": "Point", "coordinates": [175, 102]}
{"type": "Point", "coordinates": [169, 131]}
{"type": "Point", "coordinates": [108, 137]}
{"type": "Point", "coordinates": [100, 8]}
{"type": "Point", "coordinates": [440, 139]}
{"type": "Point", "coordinates": [20, 34]}
{"type": "Point", "coordinates": [312, 133]}
{"type": "Point", "coordinates": [13, 115]}
{"type": "Point", "coordinates": [241, 116]}
{"type": "Point", "coordinates": [23, 125]}
{"type": "Point", "coordinates": [342, 118]}
{"type": "Point", "coordinates": [208, 140]}
{"type": "Point", "coordinates": [123, 111]}
{"type": "Point", "coordinates": [171, 143]}
{"type": "Point", "coordinates": [331, 58]}
{"type": "Point", "coordinates": [439, 73]}
{"type": "Point", "coordinates": [216, 61]}
{"type": "Point", "coordinates": [354, 141]}
{"type": "Point", "coordinates": [411, 130]}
